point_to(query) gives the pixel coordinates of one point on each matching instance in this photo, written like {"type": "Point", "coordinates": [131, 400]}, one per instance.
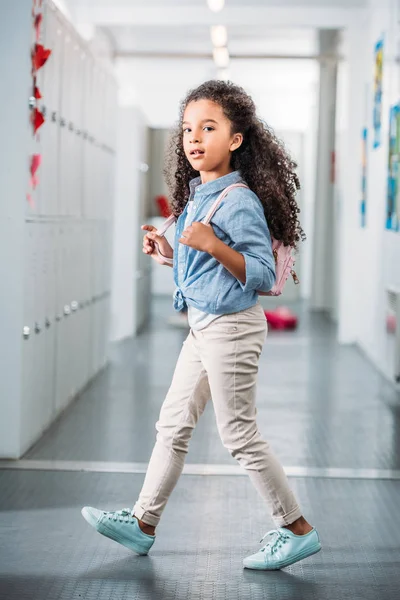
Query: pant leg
{"type": "Point", "coordinates": [230, 348]}
{"type": "Point", "coordinates": [183, 405]}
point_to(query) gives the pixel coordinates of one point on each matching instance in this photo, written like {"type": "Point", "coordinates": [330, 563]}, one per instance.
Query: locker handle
{"type": "Point", "coordinates": [54, 116]}
{"type": "Point", "coordinates": [47, 323]}
{"type": "Point", "coordinates": [38, 329]}
{"type": "Point", "coordinates": [26, 332]}
{"type": "Point", "coordinates": [67, 310]}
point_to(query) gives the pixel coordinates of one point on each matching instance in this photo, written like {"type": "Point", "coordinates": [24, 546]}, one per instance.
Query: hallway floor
{"type": "Point", "coordinates": [329, 416]}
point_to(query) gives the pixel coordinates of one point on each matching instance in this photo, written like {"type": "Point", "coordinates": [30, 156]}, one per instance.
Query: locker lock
{"type": "Point", "coordinates": [58, 318]}
{"type": "Point", "coordinates": [67, 310]}
{"type": "Point", "coordinates": [74, 305]}
{"type": "Point", "coordinates": [38, 329]}
{"type": "Point", "coordinates": [32, 102]}
{"type": "Point", "coordinates": [47, 323]}
{"type": "Point", "coordinates": [54, 116]}
{"type": "Point", "coordinates": [26, 332]}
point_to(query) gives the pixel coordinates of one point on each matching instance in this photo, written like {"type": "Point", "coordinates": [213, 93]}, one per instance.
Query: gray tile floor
{"type": "Point", "coordinates": [320, 405]}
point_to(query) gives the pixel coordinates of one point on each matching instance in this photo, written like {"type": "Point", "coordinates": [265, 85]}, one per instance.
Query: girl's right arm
{"type": "Point", "coordinates": [151, 239]}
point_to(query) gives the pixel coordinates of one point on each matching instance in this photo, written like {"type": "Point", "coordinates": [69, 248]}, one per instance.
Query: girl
{"type": "Point", "coordinates": [218, 269]}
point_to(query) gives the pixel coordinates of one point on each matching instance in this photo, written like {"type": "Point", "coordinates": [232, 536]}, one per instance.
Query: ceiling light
{"type": "Point", "coordinates": [215, 5]}
{"type": "Point", "coordinates": [221, 57]}
{"type": "Point", "coordinates": [219, 35]}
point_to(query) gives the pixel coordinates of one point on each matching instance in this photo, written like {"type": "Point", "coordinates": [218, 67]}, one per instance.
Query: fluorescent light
{"type": "Point", "coordinates": [219, 35]}
{"type": "Point", "coordinates": [215, 5]}
{"type": "Point", "coordinates": [221, 57]}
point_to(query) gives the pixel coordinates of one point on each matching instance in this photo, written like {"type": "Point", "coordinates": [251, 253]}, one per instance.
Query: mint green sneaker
{"type": "Point", "coordinates": [284, 549]}
{"type": "Point", "coordinates": [121, 527]}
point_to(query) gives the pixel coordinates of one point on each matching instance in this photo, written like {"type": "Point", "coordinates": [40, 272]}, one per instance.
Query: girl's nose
{"type": "Point", "coordinates": [195, 138]}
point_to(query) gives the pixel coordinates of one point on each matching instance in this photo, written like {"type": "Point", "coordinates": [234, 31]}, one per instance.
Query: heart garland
{"type": "Point", "coordinates": [39, 57]}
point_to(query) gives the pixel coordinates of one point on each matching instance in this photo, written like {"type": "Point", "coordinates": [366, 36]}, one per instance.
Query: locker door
{"type": "Point", "coordinates": [28, 360]}
{"type": "Point", "coordinates": [75, 266]}
{"type": "Point", "coordinates": [41, 410]}
{"type": "Point", "coordinates": [50, 323]}
{"type": "Point", "coordinates": [65, 151]}
{"type": "Point", "coordinates": [51, 98]}
{"type": "Point", "coordinates": [85, 310]}
{"type": "Point", "coordinates": [62, 320]}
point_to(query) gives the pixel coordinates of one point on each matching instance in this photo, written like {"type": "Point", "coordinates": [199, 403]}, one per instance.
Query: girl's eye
{"type": "Point", "coordinates": [186, 130]}
{"type": "Point", "coordinates": [209, 128]}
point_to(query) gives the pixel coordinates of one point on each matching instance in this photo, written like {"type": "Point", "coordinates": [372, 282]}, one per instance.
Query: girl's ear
{"type": "Point", "coordinates": [236, 142]}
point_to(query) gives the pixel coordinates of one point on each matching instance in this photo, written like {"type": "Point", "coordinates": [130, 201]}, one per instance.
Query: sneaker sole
{"type": "Point", "coordinates": [108, 533]}
{"type": "Point", "coordinates": [292, 561]}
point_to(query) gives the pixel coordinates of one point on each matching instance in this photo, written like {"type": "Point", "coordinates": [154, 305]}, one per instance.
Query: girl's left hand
{"type": "Point", "coordinates": [199, 236]}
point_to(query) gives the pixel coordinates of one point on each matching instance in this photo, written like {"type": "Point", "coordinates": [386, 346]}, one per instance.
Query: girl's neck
{"type": "Point", "coordinates": [207, 176]}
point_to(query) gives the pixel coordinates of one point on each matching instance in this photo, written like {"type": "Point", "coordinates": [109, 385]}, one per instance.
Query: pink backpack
{"type": "Point", "coordinates": [284, 260]}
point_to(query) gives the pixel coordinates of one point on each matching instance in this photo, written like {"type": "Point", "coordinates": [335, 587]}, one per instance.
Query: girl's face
{"type": "Point", "coordinates": [208, 141]}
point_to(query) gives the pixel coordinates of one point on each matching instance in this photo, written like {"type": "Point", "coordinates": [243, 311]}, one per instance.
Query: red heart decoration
{"type": "Point", "coordinates": [40, 56]}
{"type": "Point", "coordinates": [38, 24]}
{"type": "Point", "coordinates": [37, 119]}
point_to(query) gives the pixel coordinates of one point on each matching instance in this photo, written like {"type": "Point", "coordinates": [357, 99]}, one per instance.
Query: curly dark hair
{"type": "Point", "coordinates": [261, 159]}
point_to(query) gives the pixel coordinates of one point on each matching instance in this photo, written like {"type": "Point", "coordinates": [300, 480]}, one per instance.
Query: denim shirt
{"type": "Point", "coordinates": [239, 222]}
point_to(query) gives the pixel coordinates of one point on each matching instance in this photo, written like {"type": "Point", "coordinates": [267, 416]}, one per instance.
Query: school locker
{"type": "Point", "coordinates": [59, 320]}
{"type": "Point", "coordinates": [65, 151]}
{"type": "Point", "coordinates": [52, 70]}
{"type": "Point", "coordinates": [83, 311]}
{"type": "Point", "coordinates": [63, 318]}
{"type": "Point", "coordinates": [28, 338]}
{"type": "Point", "coordinates": [50, 323]}
{"type": "Point", "coordinates": [43, 359]}
{"type": "Point", "coordinates": [80, 340]}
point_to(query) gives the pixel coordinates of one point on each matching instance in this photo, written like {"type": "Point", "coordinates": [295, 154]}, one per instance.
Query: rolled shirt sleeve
{"type": "Point", "coordinates": [247, 227]}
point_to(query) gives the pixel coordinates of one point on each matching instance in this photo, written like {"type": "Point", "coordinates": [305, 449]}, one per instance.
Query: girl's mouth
{"type": "Point", "coordinates": [196, 153]}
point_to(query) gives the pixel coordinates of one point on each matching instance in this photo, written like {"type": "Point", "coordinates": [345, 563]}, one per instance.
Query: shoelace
{"type": "Point", "coordinates": [274, 544]}
{"type": "Point", "coordinates": [120, 515]}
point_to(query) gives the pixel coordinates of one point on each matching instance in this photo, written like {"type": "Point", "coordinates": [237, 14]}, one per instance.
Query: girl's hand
{"type": "Point", "coordinates": [200, 237]}
{"type": "Point", "coordinates": [151, 239]}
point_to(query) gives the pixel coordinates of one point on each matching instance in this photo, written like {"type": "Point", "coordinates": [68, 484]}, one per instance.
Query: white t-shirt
{"type": "Point", "coordinates": [197, 318]}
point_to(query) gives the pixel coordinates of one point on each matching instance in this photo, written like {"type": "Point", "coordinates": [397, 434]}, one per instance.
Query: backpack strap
{"type": "Point", "coordinates": [167, 224]}
{"type": "Point", "coordinates": [218, 201]}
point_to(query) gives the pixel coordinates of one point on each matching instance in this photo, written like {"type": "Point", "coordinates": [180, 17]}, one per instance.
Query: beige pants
{"type": "Point", "coordinates": [218, 362]}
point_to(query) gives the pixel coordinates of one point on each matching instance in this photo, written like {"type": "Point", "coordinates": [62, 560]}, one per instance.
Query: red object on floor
{"type": "Point", "coordinates": [281, 318]}
{"type": "Point", "coordinates": [163, 206]}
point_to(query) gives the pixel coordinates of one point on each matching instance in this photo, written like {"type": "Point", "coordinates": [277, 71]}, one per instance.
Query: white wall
{"type": "Point", "coordinates": [368, 257]}
{"type": "Point", "coordinates": [282, 89]}
{"type": "Point", "coordinates": [131, 153]}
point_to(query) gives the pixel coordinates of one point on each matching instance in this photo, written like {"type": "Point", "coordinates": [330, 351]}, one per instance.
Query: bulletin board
{"type": "Point", "coordinates": [392, 200]}
{"type": "Point", "coordinates": [364, 154]}
{"type": "Point", "coordinates": [378, 80]}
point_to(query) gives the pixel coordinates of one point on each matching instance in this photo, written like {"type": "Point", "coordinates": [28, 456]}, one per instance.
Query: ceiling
{"type": "Point", "coordinates": [196, 40]}
{"type": "Point", "coordinates": [256, 28]}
